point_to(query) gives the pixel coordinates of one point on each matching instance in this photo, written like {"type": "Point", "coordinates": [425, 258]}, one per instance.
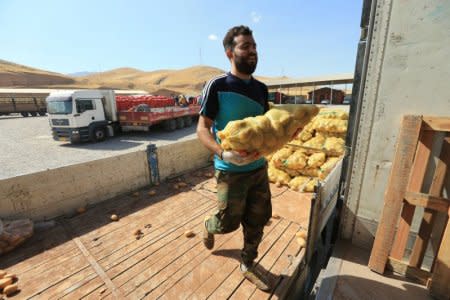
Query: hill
{"type": "Point", "coordinates": [188, 81]}
{"type": "Point", "coordinates": [15, 75]}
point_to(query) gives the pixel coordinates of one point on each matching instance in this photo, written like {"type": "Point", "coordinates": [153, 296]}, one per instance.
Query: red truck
{"type": "Point", "coordinates": [93, 115]}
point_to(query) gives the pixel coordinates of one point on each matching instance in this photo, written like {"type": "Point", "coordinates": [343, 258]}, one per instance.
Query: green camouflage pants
{"type": "Point", "coordinates": [243, 198]}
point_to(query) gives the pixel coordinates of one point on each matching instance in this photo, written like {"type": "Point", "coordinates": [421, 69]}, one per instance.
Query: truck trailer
{"type": "Point", "coordinates": [26, 105]}
{"type": "Point", "coordinates": [93, 115]}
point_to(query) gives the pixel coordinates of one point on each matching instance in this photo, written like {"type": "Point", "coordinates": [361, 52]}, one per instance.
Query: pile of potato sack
{"type": "Point", "coordinates": [323, 139]}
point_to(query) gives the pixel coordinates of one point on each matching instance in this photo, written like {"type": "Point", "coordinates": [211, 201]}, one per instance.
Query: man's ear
{"type": "Point", "coordinates": [229, 53]}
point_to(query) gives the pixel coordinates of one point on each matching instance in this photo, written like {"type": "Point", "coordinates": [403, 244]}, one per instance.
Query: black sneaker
{"type": "Point", "coordinates": [208, 238]}
{"type": "Point", "coordinates": [253, 275]}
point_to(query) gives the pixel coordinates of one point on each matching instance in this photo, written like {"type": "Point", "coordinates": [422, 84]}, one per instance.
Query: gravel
{"type": "Point", "coordinates": [27, 145]}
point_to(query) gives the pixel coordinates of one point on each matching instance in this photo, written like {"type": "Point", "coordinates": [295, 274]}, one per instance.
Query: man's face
{"type": "Point", "coordinates": [244, 54]}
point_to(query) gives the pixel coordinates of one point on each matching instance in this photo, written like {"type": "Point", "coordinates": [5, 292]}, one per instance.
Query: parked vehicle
{"type": "Point", "coordinates": [24, 105]}
{"type": "Point", "coordinates": [93, 115]}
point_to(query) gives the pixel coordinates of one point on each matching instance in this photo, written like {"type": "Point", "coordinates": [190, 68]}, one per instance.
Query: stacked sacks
{"type": "Point", "coordinates": [324, 145]}
{"type": "Point", "coordinates": [267, 133]}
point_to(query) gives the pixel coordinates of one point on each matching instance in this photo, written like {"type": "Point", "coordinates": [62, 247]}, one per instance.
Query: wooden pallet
{"type": "Point", "coordinates": [403, 194]}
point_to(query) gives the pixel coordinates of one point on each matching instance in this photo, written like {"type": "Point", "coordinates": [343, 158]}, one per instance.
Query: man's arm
{"type": "Point", "coordinates": [205, 136]}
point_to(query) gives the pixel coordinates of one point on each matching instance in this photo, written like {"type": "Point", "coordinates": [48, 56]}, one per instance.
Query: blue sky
{"type": "Point", "coordinates": [296, 38]}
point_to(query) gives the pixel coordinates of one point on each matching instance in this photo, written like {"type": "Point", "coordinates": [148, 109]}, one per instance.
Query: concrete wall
{"type": "Point", "coordinates": [60, 191]}
{"type": "Point", "coordinates": [181, 157]}
{"type": "Point", "coordinates": [407, 73]}
{"type": "Point", "coordinates": [51, 193]}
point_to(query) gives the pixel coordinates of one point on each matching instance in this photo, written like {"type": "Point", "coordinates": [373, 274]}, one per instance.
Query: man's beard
{"type": "Point", "coordinates": [243, 66]}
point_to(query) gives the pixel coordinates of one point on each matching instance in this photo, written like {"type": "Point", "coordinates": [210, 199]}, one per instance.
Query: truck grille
{"type": "Point", "coordinates": [60, 122]}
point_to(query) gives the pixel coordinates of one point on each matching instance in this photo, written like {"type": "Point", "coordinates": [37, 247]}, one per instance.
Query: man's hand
{"type": "Point", "coordinates": [239, 158]}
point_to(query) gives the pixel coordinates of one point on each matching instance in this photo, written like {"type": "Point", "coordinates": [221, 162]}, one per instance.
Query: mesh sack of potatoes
{"type": "Point", "coordinates": [277, 176]}
{"type": "Point", "coordinates": [269, 132]}
{"type": "Point", "coordinates": [331, 113]}
{"type": "Point", "coordinates": [330, 125]}
{"type": "Point", "coordinates": [324, 141]}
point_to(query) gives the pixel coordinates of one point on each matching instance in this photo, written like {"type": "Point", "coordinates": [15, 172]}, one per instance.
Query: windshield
{"type": "Point", "coordinates": [59, 105]}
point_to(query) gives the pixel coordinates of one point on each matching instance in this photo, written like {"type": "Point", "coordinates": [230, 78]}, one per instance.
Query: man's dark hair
{"type": "Point", "coordinates": [228, 40]}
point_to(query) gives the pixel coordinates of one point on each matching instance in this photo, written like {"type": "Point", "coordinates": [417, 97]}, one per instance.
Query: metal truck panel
{"type": "Point", "coordinates": [407, 73]}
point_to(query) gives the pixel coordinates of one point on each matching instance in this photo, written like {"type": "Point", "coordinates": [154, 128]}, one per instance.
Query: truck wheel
{"type": "Point", "coordinates": [180, 123]}
{"type": "Point", "coordinates": [187, 121]}
{"type": "Point", "coordinates": [24, 114]}
{"type": "Point", "coordinates": [42, 113]}
{"type": "Point", "coordinates": [170, 125]}
{"type": "Point", "coordinates": [33, 114]}
{"type": "Point", "coordinates": [99, 134]}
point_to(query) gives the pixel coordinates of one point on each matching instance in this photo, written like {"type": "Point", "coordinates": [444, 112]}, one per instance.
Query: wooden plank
{"type": "Point", "coordinates": [429, 216]}
{"type": "Point", "coordinates": [87, 287]}
{"type": "Point", "coordinates": [282, 263]}
{"type": "Point", "coordinates": [129, 257]}
{"type": "Point", "coordinates": [404, 155]}
{"type": "Point", "coordinates": [177, 269]}
{"type": "Point", "coordinates": [189, 283]}
{"type": "Point", "coordinates": [160, 220]}
{"type": "Point", "coordinates": [416, 177]}
{"type": "Point", "coordinates": [40, 248]}
{"type": "Point", "coordinates": [402, 268]}
{"type": "Point", "coordinates": [290, 275]}
{"type": "Point", "coordinates": [246, 289]}
{"type": "Point", "coordinates": [151, 260]}
{"type": "Point", "coordinates": [436, 123]}
{"type": "Point", "coordinates": [73, 282]}
{"type": "Point", "coordinates": [94, 264]}
{"type": "Point", "coordinates": [440, 287]}
{"type": "Point", "coordinates": [225, 288]}
{"type": "Point", "coordinates": [427, 201]}
{"type": "Point", "coordinates": [50, 277]}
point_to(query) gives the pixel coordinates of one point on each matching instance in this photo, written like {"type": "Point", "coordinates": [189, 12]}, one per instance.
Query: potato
{"type": "Point", "coordinates": [11, 275]}
{"type": "Point", "coordinates": [189, 233]}
{"type": "Point", "coordinates": [114, 217]}
{"type": "Point", "coordinates": [301, 242]}
{"type": "Point", "coordinates": [10, 289]}
{"type": "Point", "coordinates": [152, 193]}
{"type": "Point", "coordinates": [302, 233]}
{"type": "Point", "coordinates": [5, 281]}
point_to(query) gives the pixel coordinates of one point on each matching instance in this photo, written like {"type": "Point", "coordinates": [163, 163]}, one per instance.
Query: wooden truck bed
{"type": "Point", "coordinates": [89, 256]}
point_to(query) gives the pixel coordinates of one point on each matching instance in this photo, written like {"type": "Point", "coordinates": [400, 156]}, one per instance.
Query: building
{"type": "Point", "coordinates": [326, 93]}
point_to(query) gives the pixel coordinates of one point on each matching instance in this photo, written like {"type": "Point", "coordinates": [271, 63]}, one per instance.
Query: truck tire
{"type": "Point", "coordinates": [170, 125]}
{"type": "Point", "coordinates": [99, 134]}
{"type": "Point", "coordinates": [42, 113]}
{"type": "Point", "coordinates": [33, 114]}
{"type": "Point", "coordinates": [187, 121]}
{"type": "Point", "coordinates": [180, 122]}
{"type": "Point", "coordinates": [24, 114]}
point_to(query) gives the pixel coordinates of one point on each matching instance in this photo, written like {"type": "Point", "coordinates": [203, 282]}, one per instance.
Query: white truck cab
{"type": "Point", "coordinates": [81, 115]}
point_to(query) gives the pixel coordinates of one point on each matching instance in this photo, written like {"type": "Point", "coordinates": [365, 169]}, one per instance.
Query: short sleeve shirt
{"type": "Point", "coordinates": [227, 98]}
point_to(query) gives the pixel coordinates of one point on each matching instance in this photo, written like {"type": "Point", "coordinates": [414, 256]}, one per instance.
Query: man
{"type": "Point", "coordinates": [242, 181]}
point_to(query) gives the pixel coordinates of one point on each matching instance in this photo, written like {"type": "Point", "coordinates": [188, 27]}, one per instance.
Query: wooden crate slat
{"type": "Point", "coordinates": [416, 178]}
{"type": "Point", "coordinates": [427, 201]}
{"type": "Point", "coordinates": [437, 123]}
{"type": "Point", "coordinates": [402, 268]}
{"type": "Point", "coordinates": [440, 287]}
{"type": "Point", "coordinates": [404, 155]}
{"type": "Point", "coordinates": [429, 215]}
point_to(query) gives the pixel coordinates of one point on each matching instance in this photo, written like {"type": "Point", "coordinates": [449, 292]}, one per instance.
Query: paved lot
{"type": "Point", "coordinates": [27, 146]}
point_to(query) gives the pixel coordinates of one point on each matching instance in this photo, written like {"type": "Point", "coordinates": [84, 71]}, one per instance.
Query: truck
{"type": "Point", "coordinates": [93, 115]}
{"type": "Point", "coordinates": [87, 255]}
{"type": "Point", "coordinates": [26, 105]}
